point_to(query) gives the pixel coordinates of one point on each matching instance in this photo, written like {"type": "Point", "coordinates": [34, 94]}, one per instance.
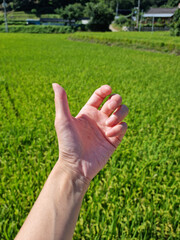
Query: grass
{"type": "Point", "coordinates": [37, 29]}
{"type": "Point", "coordinates": [18, 15]}
{"type": "Point", "coordinates": [156, 41]}
{"type": "Point", "coordinates": [136, 196]}
{"type": "Point", "coordinates": [12, 15]}
{"type": "Point", "coordinates": [150, 36]}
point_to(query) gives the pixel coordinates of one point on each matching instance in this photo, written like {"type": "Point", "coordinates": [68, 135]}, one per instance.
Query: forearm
{"type": "Point", "coordinates": [56, 210]}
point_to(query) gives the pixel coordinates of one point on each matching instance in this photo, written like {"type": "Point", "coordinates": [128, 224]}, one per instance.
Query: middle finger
{"type": "Point", "coordinates": [117, 116]}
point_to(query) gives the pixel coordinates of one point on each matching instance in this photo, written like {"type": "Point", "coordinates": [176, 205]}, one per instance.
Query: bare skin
{"type": "Point", "coordinates": [87, 141]}
{"type": "Point", "coordinates": [85, 144]}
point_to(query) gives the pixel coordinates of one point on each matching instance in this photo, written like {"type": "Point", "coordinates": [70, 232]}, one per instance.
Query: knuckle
{"type": "Point", "coordinates": [117, 98]}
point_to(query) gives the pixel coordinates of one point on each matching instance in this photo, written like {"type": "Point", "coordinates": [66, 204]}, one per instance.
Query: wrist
{"type": "Point", "coordinates": [62, 173]}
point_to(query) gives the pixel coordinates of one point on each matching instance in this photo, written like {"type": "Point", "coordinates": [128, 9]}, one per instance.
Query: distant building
{"type": "Point", "coordinates": [163, 13]}
{"type": "Point", "coordinates": [85, 21]}
{"type": "Point", "coordinates": [33, 22]}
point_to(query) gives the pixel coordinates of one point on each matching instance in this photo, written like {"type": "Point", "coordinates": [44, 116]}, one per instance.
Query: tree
{"type": "Point", "coordinates": [173, 3]}
{"type": "Point", "coordinates": [130, 4]}
{"type": "Point", "coordinates": [100, 15]}
{"type": "Point", "coordinates": [175, 30]}
{"type": "Point", "coordinates": [159, 3]}
{"type": "Point", "coordinates": [72, 12]}
{"type": "Point", "coordinates": [122, 21]}
{"type": "Point", "coordinates": [22, 5]}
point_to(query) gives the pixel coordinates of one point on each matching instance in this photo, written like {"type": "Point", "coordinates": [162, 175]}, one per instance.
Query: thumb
{"type": "Point", "coordinates": [61, 104]}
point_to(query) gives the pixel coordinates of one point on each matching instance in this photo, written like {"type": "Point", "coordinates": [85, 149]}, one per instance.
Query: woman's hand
{"type": "Point", "coordinates": [85, 144]}
{"type": "Point", "coordinates": [87, 141]}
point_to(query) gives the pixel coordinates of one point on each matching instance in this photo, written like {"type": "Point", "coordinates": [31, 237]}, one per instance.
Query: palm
{"type": "Point", "coordinates": [84, 143]}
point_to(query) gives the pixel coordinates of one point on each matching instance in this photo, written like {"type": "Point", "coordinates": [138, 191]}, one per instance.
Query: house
{"type": "Point", "coordinates": [163, 13]}
{"type": "Point", "coordinates": [33, 22]}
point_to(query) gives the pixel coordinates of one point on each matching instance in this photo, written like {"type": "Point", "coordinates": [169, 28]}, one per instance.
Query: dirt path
{"type": "Point", "coordinates": [112, 29]}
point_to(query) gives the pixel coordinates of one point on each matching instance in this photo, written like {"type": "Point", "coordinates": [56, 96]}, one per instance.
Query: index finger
{"type": "Point", "coordinates": [99, 95]}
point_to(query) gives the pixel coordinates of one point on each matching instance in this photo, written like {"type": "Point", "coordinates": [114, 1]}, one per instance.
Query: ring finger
{"type": "Point", "coordinates": [111, 104]}
{"type": "Point", "coordinates": [117, 116]}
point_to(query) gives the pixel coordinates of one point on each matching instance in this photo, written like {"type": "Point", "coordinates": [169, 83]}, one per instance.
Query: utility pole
{"type": "Point", "coordinates": [152, 24]}
{"type": "Point", "coordinates": [117, 7]}
{"type": "Point", "coordinates": [139, 3]}
{"type": "Point", "coordinates": [140, 21]}
{"type": "Point", "coordinates": [5, 15]}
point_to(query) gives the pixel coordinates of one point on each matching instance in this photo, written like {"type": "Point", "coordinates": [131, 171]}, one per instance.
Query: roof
{"type": "Point", "coordinates": [33, 20]}
{"type": "Point", "coordinates": [160, 12]}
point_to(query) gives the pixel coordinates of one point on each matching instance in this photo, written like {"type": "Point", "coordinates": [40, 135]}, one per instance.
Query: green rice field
{"type": "Point", "coordinates": [150, 36]}
{"type": "Point", "coordinates": [136, 196]}
{"type": "Point", "coordinates": [153, 41]}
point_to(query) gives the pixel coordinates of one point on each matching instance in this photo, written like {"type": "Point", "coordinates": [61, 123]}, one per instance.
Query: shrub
{"type": "Point", "coordinates": [122, 21]}
{"type": "Point", "coordinates": [39, 29]}
{"type": "Point", "coordinates": [100, 15]}
{"type": "Point", "coordinates": [34, 11]}
{"type": "Point", "coordinates": [72, 12]}
{"type": "Point", "coordinates": [159, 25]}
{"type": "Point", "coordinates": [175, 27]}
{"type": "Point", "coordinates": [16, 22]}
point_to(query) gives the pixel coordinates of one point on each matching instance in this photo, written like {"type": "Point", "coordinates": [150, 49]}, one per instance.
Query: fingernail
{"type": "Point", "coordinates": [54, 87]}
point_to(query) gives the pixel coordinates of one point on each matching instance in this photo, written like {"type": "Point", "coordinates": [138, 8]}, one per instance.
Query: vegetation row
{"type": "Point", "coordinates": [132, 40]}
{"type": "Point", "coordinates": [38, 29]}
{"type": "Point", "coordinates": [100, 13]}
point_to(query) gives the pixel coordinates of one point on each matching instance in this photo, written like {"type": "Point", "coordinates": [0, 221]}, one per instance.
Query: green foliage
{"type": "Point", "coordinates": [49, 6]}
{"type": "Point", "coordinates": [159, 20]}
{"type": "Point", "coordinates": [122, 21]}
{"type": "Point", "coordinates": [100, 16]}
{"type": "Point", "coordinates": [173, 3]}
{"type": "Point", "coordinates": [19, 5]}
{"type": "Point", "coordinates": [175, 27]}
{"type": "Point", "coordinates": [38, 29]}
{"type": "Point", "coordinates": [72, 12]}
{"type": "Point", "coordinates": [14, 22]}
{"type": "Point", "coordinates": [136, 196]}
{"type": "Point", "coordinates": [34, 11]}
{"type": "Point", "coordinates": [176, 16]}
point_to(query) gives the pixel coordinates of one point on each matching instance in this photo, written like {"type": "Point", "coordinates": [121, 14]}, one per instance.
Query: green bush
{"type": "Point", "coordinates": [122, 21]}
{"type": "Point", "coordinates": [146, 25]}
{"type": "Point", "coordinates": [39, 29]}
{"type": "Point", "coordinates": [176, 16]}
{"type": "Point", "coordinates": [175, 27]}
{"type": "Point", "coordinates": [16, 22]}
{"type": "Point", "coordinates": [34, 11]}
{"type": "Point", "coordinates": [72, 12]}
{"type": "Point", "coordinates": [159, 25]}
{"type": "Point", "coordinates": [100, 15]}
